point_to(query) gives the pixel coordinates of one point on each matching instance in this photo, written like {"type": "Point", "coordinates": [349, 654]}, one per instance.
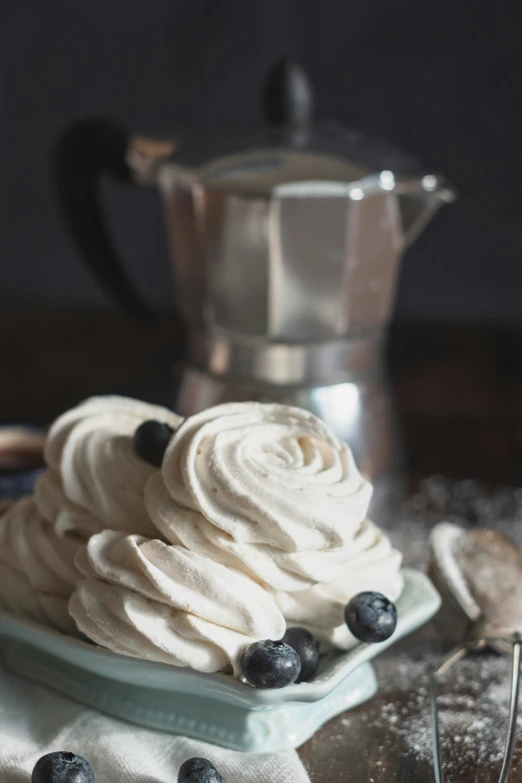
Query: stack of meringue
{"type": "Point", "coordinates": [256, 520]}
{"type": "Point", "coordinates": [93, 481]}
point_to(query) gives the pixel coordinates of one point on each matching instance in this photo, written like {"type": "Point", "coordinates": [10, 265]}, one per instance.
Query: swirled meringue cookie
{"type": "Point", "coordinates": [37, 571]}
{"type": "Point", "coordinates": [269, 490]}
{"type": "Point", "coordinates": [91, 448]}
{"type": "Point", "coordinates": [267, 474]}
{"type": "Point", "coordinates": [151, 600]}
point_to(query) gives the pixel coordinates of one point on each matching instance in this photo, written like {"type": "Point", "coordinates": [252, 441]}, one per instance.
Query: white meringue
{"type": "Point", "coordinates": [152, 600]}
{"type": "Point", "coordinates": [91, 447]}
{"type": "Point", "coordinates": [37, 571]}
{"type": "Point", "coordinates": [66, 517]}
{"type": "Point", "coordinates": [267, 474]}
{"type": "Point", "coordinates": [269, 490]}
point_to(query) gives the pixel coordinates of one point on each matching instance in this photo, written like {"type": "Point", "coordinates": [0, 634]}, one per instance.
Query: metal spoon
{"type": "Point", "coordinates": [479, 573]}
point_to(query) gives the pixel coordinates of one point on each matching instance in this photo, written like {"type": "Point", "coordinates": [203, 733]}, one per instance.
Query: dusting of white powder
{"type": "Point", "coordinates": [473, 711]}
{"type": "Point", "coordinates": [474, 696]}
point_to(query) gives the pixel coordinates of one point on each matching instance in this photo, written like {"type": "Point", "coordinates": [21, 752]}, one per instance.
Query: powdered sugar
{"type": "Point", "coordinates": [474, 696]}
{"type": "Point", "coordinates": [473, 710]}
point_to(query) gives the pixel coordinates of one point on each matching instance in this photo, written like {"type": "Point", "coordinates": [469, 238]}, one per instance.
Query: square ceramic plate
{"type": "Point", "coordinates": [212, 707]}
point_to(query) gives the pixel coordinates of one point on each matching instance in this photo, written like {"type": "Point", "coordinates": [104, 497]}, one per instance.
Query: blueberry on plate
{"type": "Point", "coordinates": [151, 440]}
{"type": "Point", "coordinates": [198, 770]}
{"type": "Point", "coordinates": [270, 664]}
{"type": "Point", "coordinates": [371, 617]}
{"type": "Point", "coordinates": [62, 767]}
{"type": "Point", "coordinates": [307, 649]}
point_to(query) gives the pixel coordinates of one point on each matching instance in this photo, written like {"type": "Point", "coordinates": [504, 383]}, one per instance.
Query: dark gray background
{"type": "Point", "coordinates": [442, 79]}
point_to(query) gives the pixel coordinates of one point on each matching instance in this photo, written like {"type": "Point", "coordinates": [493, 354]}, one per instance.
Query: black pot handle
{"type": "Point", "coordinates": [84, 153]}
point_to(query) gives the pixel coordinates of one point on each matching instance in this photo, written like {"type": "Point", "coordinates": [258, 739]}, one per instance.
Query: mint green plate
{"type": "Point", "coordinates": [212, 707]}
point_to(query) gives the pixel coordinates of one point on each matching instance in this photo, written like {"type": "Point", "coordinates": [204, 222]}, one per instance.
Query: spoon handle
{"type": "Point", "coordinates": [435, 733]}
{"type": "Point", "coordinates": [453, 657]}
{"type": "Point", "coordinates": [513, 710]}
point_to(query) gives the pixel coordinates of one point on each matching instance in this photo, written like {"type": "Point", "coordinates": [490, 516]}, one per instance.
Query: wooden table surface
{"type": "Point", "coordinates": [459, 397]}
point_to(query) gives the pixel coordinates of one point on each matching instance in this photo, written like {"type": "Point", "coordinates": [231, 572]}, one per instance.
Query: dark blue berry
{"type": "Point", "coordinates": [198, 770]}
{"type": "Point", "coordinates": [151, 440]}
{"type": "Point", "coordinates": [307, 649]}
{"type": "Point", "coordinates": [62, 767]}
{"type": "Point", "coordinates": [270, 664]}
{"type": "Point", "coordinates": [371, 617]}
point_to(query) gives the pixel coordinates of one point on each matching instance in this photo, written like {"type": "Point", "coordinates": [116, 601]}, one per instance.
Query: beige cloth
{"type": "Point", "coordinates": [34, 721]}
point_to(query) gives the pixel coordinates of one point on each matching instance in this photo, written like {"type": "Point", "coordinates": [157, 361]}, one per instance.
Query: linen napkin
{"type": "Point", "coordinates": [34, 721]}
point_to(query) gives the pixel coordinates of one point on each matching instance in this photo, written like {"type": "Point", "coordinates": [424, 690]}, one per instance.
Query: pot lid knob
{"type": "Point", "coordinates": [287, 96]}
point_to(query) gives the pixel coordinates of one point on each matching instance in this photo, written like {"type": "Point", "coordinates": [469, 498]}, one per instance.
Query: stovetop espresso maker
{"type": "Point", "coordinates": [285, 243]}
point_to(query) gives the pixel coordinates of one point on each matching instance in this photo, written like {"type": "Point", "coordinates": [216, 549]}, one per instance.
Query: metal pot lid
{"type": "Point", "coordinates": [289, 147]}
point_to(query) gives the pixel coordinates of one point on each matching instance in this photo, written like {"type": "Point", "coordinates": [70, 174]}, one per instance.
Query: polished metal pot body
{"type": "Point", "coordinates": [287, 287]}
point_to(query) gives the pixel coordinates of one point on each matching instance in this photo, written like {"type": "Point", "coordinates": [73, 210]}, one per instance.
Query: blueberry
{"type": "Point", "coordinates": [62, 767]}
{"type": "Point", "coordinates": [198, 770]}
{"type": "Point", "coordinates": [307, 649]}
{"type": "Point", "coordinates": [371, 617]}
{"type": "Point", "coordinates": [151, 440]}
{"type": "Point", "coordinates": [270, 664]}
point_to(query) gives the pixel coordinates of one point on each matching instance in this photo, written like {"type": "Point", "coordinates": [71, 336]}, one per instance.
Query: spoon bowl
{"type": "Point", "coordinates": [481, 574]}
